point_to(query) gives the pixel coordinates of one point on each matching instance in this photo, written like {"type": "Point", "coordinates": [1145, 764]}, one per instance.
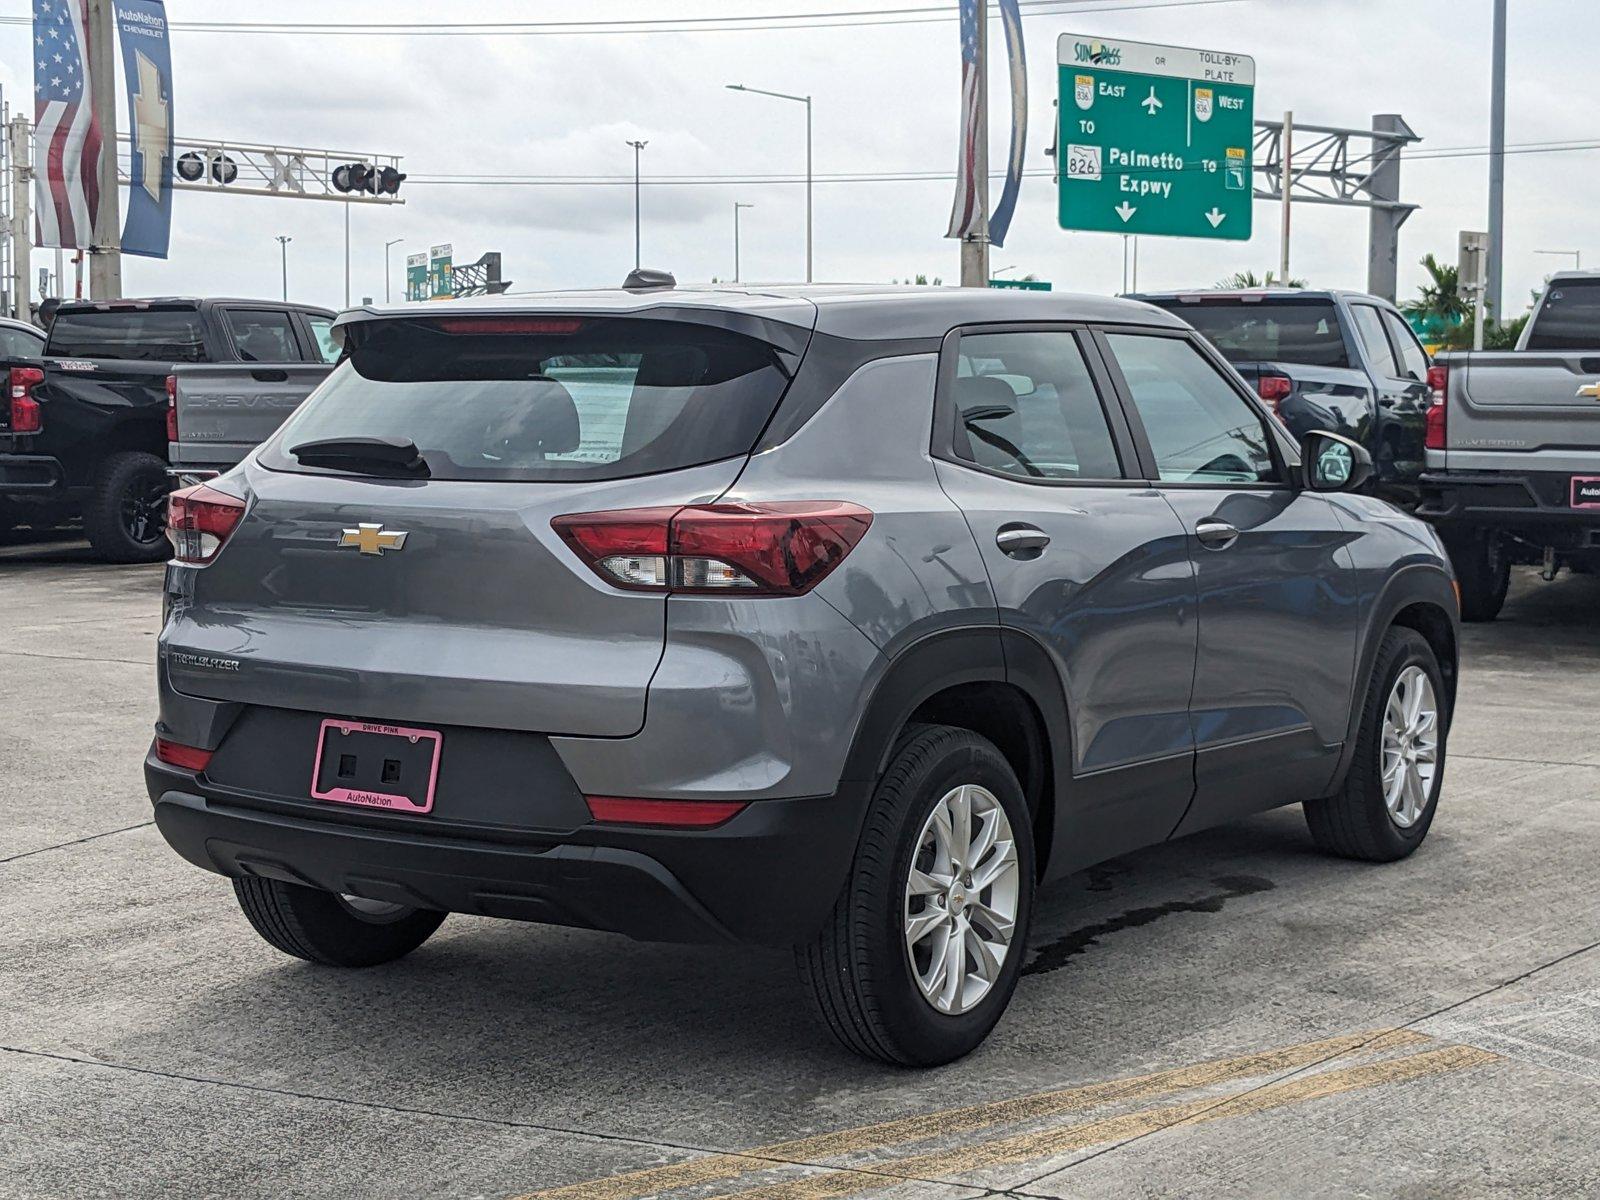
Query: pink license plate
{"type": "Point", "coordinates": [1586, 491]}
{"type": "Point", "coordinates": [376, 766]}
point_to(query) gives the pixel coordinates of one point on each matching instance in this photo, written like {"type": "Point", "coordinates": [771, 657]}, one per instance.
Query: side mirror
{"type": "Point", "coordinates": [1330, 462]}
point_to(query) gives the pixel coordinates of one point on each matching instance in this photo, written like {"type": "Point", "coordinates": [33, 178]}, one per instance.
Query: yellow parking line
{"type": "Point", "coordinates": [951, 1122]}
{"type": "Point", "coordinates": [1048, 1143]}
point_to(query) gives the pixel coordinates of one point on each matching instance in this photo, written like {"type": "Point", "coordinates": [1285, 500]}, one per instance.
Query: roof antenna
{"type": "Point", "coordinates": [648, 279]}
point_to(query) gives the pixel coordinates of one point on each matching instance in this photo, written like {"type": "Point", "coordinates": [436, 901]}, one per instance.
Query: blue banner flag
{"type": "Point", "coordinates": [1000, 219]}
{"type": "Point", "coordinates": [147, 65]}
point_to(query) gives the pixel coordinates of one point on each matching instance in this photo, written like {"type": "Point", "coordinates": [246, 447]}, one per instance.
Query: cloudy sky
{"type": "Point", "coordinates": [886, 101]}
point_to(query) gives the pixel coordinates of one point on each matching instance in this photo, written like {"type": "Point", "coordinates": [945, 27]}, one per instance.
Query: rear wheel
{"type": "Point", "coordinates": [334, 930]}
{"type": "Point", "coordinates": [125, 517]}
{"type": "Point", "coordinates": [1387, 803]}
{"type": "Point", "coordinates": [921, 954]}
{"type": "Point", "coordinates": [1483, 570]}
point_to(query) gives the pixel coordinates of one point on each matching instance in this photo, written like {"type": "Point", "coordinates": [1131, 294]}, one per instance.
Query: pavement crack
{"type": "Point", "coordinates": [1530, 762]}
{"type": "Point", "coordinates": [75, 841]}
{"type": "Point", "coordinates": [132, 662]}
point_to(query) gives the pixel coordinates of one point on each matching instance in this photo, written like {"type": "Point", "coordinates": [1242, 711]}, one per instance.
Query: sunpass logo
{"type": "Point", "coordinates": [1097, 52]}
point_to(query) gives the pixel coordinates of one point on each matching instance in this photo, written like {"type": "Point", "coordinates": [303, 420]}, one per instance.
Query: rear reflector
{"type": "Point", "coordinates": [199, 520]}
{"type": "Point", "coordinates": [190, 758]}
{"type": "Point", "coordinates": [26, 416]}
{"type": "Point", "coordinates": [672, 814]}
{"type": "Point", "coordinates": [755, 549]}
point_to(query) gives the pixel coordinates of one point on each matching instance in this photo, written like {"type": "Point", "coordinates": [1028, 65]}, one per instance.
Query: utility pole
{"type": "Point", "coordinates": [387, 246]}
{"type": "Point", "coordinates": [637, 147]}
{"type": "Point", "coordinates": [283, 246]}
{"type": "Point", "coordinates": [1288, 187]}
{"type": "Point", "coordinates": [21, 215]}
{"type": "Point", "coordinates": [1497, 160]}
{"type": "Point", "coordinates": [736, 207]}
{"type": "Point", "coordinates": [105, 249]}
{"type": "Point", "coordinates": [347, 254]}
{"type": "Point", "coordinates": [975, 249]}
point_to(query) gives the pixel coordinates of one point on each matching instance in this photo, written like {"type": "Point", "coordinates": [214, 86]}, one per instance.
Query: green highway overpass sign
{"type": "Point", "coordinates": [1155, 139]}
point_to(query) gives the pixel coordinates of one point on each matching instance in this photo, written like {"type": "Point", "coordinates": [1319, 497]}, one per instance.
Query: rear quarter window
{"type": "Point", "coordinates": [545, 399]}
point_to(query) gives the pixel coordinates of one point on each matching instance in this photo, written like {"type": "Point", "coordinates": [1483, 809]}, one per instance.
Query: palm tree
{"type": "Point", "coordinates": [1440, 301]}
{"type": "Point", "coordinates": [1247, 279]}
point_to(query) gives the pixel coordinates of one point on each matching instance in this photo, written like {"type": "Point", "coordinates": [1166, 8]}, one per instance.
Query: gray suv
{"type": "Point", "coordinates": [834, 619]}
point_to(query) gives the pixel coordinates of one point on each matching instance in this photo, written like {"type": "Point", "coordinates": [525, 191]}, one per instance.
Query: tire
{"type": "Point", "coordinates": [325, 928]}
{"type": "Point", "coordinates": [1357, 821]}
{"type": "Point", "coordinates": [859, 973]}
{"type": "Point", "coordinates": [125, 515]}
{"type": "Point", "coordinates": [1483, 569]}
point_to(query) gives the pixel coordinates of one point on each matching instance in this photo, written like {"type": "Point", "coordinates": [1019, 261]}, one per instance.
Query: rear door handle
{"type": "Point", "coordinates": [1021, 539]}
{"type": "Point", "coordinates": [1215, 534]}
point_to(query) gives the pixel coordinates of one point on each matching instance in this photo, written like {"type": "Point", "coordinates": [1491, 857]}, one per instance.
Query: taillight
{"type": "Point", "coordinates": [26, 416]}
{"type": "Point", "coordinates": [199, 520]}
{"type": "Point", "coordinates": [172, 408]}
{"type": "Point", "coordinates": [753, 549]}
{"type": "Point", "coordinates": [1435, 421]}
{"type": "Point", "coordinates": [1274, 389]}
{"type": "Point", "coordinates": [190, 758]}
{"type": "Point", "coordinates": [673, 814]}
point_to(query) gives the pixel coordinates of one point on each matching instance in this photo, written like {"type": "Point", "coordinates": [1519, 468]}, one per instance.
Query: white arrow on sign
{"type": "Point", "coordinates": [1152, 102]}
{"type": "Point", "coordinates": [1125, 210]}
{"type": "Point", "coordinates": [1216, 216]}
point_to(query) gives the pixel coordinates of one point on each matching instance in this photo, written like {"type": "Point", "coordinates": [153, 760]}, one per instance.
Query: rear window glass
{"type": "Point", "coordinates": [147, 335]}
{"type": "Point", "coordinates": [1288, 331]}
{"type": "Point", "coordinates": [1569, 318]}
{"type": "Point", "coordinates": [551, 399]}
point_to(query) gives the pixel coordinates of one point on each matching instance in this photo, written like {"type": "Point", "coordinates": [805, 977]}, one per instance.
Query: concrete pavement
{"type": "Point", "coordinates": [1231, 1014]}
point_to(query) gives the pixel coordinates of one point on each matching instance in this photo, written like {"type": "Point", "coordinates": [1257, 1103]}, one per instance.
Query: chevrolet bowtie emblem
{"type": "Point", "coordinates": [1591, 390]}
{"type": "Point", "coordinates": [373, 539]}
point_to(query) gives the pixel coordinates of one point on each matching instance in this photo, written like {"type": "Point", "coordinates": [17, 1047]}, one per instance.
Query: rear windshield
{"type": "Point", "coordinates": [144, 334]}
{"type": "Point", "coordinates": [1277, 330]}
{"type": "Point", "coordinates": [547, 398]}
{"type": "Point", "coordinates": [1569, 318]}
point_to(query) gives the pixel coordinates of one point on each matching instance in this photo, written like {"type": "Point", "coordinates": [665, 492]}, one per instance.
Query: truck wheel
{"type": "Point", "coordinates": [922, 951]}
{"type": "Point", "coordinates": [336, 931]}
{"type": "Point", "coordinates": [125, 516]}
{"type": "Point", "coordinates": [1383, 811]}
{"type": "Point", "coordinates": [1483, 569]}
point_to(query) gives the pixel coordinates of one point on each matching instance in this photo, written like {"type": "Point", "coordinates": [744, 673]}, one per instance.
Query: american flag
{"type": "Point", "coordinates": [67, 143]}
{"type": "Point", "coordinates": [966, 216]}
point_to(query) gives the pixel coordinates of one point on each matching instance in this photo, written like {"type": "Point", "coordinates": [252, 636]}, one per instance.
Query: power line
{"type": "Point", "coordinates": [858, 18]}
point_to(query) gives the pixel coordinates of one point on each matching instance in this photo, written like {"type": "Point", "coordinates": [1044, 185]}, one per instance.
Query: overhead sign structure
{"type": "Point", "coordinates": [1155, 139]}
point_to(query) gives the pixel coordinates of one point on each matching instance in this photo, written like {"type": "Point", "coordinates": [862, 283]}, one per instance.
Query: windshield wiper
{"type": "Point", "coordinates": [391, 456]}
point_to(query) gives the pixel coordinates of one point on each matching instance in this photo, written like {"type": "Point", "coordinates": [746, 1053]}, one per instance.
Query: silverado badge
{"type": "Point", "coordinates": [373, 539]}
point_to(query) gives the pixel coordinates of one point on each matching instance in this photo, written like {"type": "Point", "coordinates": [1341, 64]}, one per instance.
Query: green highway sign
{"type": "Point", "coordinates": [1155, 139]}
{"type": "Point", "coordinates": [1021, 285]}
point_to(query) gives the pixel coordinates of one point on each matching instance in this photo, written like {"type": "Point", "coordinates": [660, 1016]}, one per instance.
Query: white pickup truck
{"type": "Point", "coordinates": [1512, 469]}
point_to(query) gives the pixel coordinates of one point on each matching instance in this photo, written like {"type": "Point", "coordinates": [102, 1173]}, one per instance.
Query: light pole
{"type": "Point", "coordinates": [387, 246]}
{"type": "Point", "coordinates": [283, 247]}
{"type": "Point", "coordinates": [1497, 158]}
{"type": "Point", "coordinates": [347, 254]}
{"type": "Point", "coordinates": [806, 100]}
{"type": "Point", "coordinates": [1575, 255]}
{"type": "Point", "coordinates": [637, 146]}
{"type": "Point", "coordinates": [737, 205]}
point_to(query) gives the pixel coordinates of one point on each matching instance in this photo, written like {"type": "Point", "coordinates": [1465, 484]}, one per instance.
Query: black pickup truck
{"type": "Point", "coordinates": [1342, 361]}
{"type": "Point", "coordinates": [85, 428]}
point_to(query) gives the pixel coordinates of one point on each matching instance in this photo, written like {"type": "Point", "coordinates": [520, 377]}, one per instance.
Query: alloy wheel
{"type": "Point", "coordinates": [144, 510]}
{"type": "Point", "coordinates": [961, 899]}
{"type": "Point", "coordinates": [1410, 746]}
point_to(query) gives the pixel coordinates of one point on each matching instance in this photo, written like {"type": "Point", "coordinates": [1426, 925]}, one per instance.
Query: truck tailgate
{"type": "Point", "coordinates": [1523, 410]}
{"type": "Point", "coordinates": [225, 410]}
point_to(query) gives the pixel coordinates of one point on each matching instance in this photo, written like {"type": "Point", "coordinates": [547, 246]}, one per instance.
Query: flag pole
{"type": "Point", "coordinates": [975, 249]}
{"type": "Point", "coordinates": [105, 256]}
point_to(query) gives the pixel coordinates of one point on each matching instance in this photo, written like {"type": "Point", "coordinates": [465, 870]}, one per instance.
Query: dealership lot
{"type": "Point", "coordinates": [1232, 1012]}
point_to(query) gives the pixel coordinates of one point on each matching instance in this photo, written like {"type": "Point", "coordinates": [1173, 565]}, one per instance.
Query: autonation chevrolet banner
{"type": "Point", "coordinates": [147, 66]}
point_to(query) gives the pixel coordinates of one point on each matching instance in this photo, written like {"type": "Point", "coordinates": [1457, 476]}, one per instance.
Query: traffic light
{"type": "Point", "coordinates": [389, 181]}
{"type": "Point", "coordinates": [224, 170]}
{"type": "Point", "coordinates": [353, 177]}
{"type": "Point", "coordinates": [191, 167]}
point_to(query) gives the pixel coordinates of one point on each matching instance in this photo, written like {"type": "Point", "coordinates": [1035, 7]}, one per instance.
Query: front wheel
{"type": "Point", "coordinates": [1387, 803]}
{"type": "Point", "coordinates": [334, 930]}
{"type": "Point", "coordinates": [1483, 571]}
{"type": "Point", "coordinates": [921, 954]}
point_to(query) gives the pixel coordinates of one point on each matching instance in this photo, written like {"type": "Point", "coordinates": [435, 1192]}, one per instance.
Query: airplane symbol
{"type": "Point", "coordinates": [1151, 102]}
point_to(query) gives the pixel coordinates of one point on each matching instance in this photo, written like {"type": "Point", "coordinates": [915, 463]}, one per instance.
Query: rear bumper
{"type": "Point", "coordinates": [1533, 504]}
{"type": "Point", "coordinates": [31, 475]}
{"type": "Point", "coordinates": [768, 876]}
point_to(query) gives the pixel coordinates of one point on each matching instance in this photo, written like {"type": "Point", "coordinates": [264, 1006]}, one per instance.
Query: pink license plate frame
{"type": "Point", "coordinates": [361, 797]}
{"type": "Point", "coordinates": [1577, 481]}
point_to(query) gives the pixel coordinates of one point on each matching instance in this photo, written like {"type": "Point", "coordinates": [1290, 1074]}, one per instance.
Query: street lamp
{"type": "Point", "coordinates": [736, 207]}
{"type": "Point", "coordinates": [283, 247]}
{"type": "Point", "coordinates": [806, 100]}
{"type": "Point", "coordinates": [1575, 255]}
{"type": "Point", "coordinates": [387, 246]}
{"type": "Point", "coordinates": [637, 146]}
